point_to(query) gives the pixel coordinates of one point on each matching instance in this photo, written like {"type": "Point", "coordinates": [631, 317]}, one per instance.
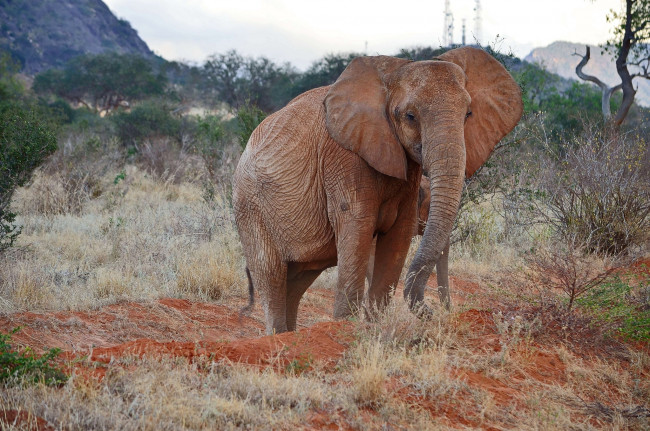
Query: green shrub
{"type": "Point", "coordinates": [476, 227]}
{"type": "Point", "coordinates": [10, 87]}
{"type": "Point", "coordinates": [147, 120]}
{"type": "Point", "coordinates": [249, 117]}
{"type": "Point", "coordinates": [62, 110]}
{"type": "Point", "coordinates": [27, 367]}
{"type": "Point", "coordinates": [211, 139]}
{"type": "Point", "coordinates": [622, 306]}
{"type": "Point", "coordinates": [25, 141]}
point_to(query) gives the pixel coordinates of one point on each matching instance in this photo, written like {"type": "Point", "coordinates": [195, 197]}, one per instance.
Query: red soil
{"type": "Point", "coordinates": [323, 342]}
{"type": "Point", "coordinates": [641, 266]}
{"type": "Point", "coordinates": [182, 328]}
{"type": "Point", "coordinates": [164, 320]}
{"type": "Point", "coordinates": [540, 365]}
{"type": "Point", "coordinates": [22, 420]}
{"type": "Point", "coordinates": [175, 327]}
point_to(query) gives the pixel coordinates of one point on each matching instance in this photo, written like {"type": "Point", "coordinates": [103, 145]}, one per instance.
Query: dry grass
{"type": "Point", "coordinates": [491, 246]}
{"type": "Point", "coordinates": [142, 238]}
{"type": "Point", "coordinates": [29, 288]}
{"type": "Point", "coordinates": [172, 394]}
{"type": "Point", "coordinates": [369, 373]}
{"type": "Point", "coordinates": [149, 230]}
{"type": "Point", "coordinates": [213, 268]}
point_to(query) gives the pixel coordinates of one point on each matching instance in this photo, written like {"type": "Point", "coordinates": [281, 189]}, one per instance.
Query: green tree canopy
{"type": "Point", "coordinates": [26, 139]}
{"type": "Point", "coordinates": [323, 72]}
{"type": "Point", "coordinates": [566, 105]}
{"type": "Point", "coordinates": [240, 80]}
{"type": "Point", "coordinates": [102, 82]}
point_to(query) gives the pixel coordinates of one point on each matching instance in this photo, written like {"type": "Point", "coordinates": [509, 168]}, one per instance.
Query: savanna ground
{"type": "Point", "coordinates": [131, 265]}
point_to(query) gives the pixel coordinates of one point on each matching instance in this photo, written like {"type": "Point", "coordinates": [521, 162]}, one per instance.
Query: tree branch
{"type": "Point", "coordinates": [584, 76]}
{"type": "Point", "coordinates": [605, 89]}
{"type": "Point", "coordinates": [638, 63]}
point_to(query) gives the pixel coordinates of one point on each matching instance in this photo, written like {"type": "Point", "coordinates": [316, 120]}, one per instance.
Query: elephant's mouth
{"type": "Point", "coordinates": [417, 153]}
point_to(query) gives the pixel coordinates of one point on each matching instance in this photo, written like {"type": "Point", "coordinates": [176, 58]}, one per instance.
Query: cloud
{"type": "Point", "coordinates": [302, 31]}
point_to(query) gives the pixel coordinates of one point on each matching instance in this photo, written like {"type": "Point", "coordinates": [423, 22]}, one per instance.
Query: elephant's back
{"type": "Point", "coordinates": [278, 175]}
{"type": "Point", "coordinates": [297, 125]}
{"type": "Point", "coordinates": [286, 143]}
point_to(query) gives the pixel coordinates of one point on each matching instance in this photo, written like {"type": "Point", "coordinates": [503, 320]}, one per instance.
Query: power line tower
{"type": "Point", "coordinates": [477, 21]}
{"type": "Point", "coordinates": [448, 29]}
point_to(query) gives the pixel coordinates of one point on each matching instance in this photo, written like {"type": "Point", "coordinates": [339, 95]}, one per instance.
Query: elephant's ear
{"type": "Point", "coordinates": [356, 116]}
{"type": "Point", "coordinates": [496, 103]}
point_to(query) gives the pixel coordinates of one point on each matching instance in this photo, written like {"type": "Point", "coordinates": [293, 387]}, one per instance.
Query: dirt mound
{"type": "Point", "coordinates": [175, 327]}
{"type": "Point", "coordinates": [168, 319]}
{"type": "Point", "coordinates": [324, 342]}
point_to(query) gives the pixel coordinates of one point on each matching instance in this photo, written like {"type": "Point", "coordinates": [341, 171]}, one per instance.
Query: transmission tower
{"type": "Point", "coordinates": [448, 29]}
{"type": "Point", "coordinates": [477, 21]}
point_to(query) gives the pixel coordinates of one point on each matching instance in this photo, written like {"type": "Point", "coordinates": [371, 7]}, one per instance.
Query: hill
{"type": "Point", "coordinates": [558, 58]}
{"type": "Point", "coordinates": [43, 34]}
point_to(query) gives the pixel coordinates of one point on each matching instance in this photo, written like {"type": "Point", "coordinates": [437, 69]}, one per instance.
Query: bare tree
{"type": "Point", "coordinates": [628, 44]}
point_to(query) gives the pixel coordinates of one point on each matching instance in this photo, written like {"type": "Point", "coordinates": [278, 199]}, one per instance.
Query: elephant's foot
{"type": "Point", "coordinates": [279, 329]}
{"type": "Point", "coordinates": [345, 309]}
{"type": "Point", "coordinates": [347, 305]}
{"type": "Point", "coordinates": [276, 322]}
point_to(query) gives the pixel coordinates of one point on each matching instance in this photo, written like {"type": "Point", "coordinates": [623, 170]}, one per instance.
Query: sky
{"type": "Point", "coordinates": [302, 31]}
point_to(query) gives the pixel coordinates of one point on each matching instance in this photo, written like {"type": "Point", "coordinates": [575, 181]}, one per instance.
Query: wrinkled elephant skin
{"type": "Point", "coordinates": [340, 168]}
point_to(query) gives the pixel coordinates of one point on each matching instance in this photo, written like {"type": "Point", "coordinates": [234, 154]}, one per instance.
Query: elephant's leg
{"type": "Point", "coordinates": [390, 254]}
{"type": "Point", "coordinates": [270, 280]}
{"type": "Point", "coordinates": [442, 276]}
{"type": "Point", "coordinates": [296, 287]}
{"type": "Point", "coordinates": [353, 251]}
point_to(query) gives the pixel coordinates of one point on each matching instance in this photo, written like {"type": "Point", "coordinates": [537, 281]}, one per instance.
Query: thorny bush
{"type": "Point", "coordinates": [598, 191]}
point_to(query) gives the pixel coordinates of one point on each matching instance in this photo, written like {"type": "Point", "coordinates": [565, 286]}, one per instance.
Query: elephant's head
{"type": "Point", "coordinates": [445, 114]}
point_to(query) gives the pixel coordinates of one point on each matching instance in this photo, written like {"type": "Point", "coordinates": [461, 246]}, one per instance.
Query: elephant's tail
{"type": "Point", "coordinates": [251, 295]}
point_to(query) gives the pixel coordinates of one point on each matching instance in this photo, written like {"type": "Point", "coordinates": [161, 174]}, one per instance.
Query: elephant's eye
{"type": "Point", "coordinates": [410, 116]}
{"type": "Point", "coordinates": [468, 114]}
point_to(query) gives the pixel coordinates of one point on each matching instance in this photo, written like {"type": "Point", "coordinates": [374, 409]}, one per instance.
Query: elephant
{"type": "Point", "coordinates": [340, 166]}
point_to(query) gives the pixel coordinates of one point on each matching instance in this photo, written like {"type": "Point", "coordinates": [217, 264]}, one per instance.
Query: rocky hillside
{"type": "Point", "coordinates": [559, 58]}
{"type": "Point", "coordinates": [41, 34]}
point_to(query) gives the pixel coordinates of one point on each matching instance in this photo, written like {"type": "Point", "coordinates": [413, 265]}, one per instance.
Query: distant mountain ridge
{"type": "Point", "coordinates": [559, 58]}
{"type": "Point", "coordinates": [42, 34]}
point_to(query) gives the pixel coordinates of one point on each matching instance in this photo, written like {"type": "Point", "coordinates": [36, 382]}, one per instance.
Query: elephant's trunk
{"type": "Point", "coordinates": [443, 157]}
